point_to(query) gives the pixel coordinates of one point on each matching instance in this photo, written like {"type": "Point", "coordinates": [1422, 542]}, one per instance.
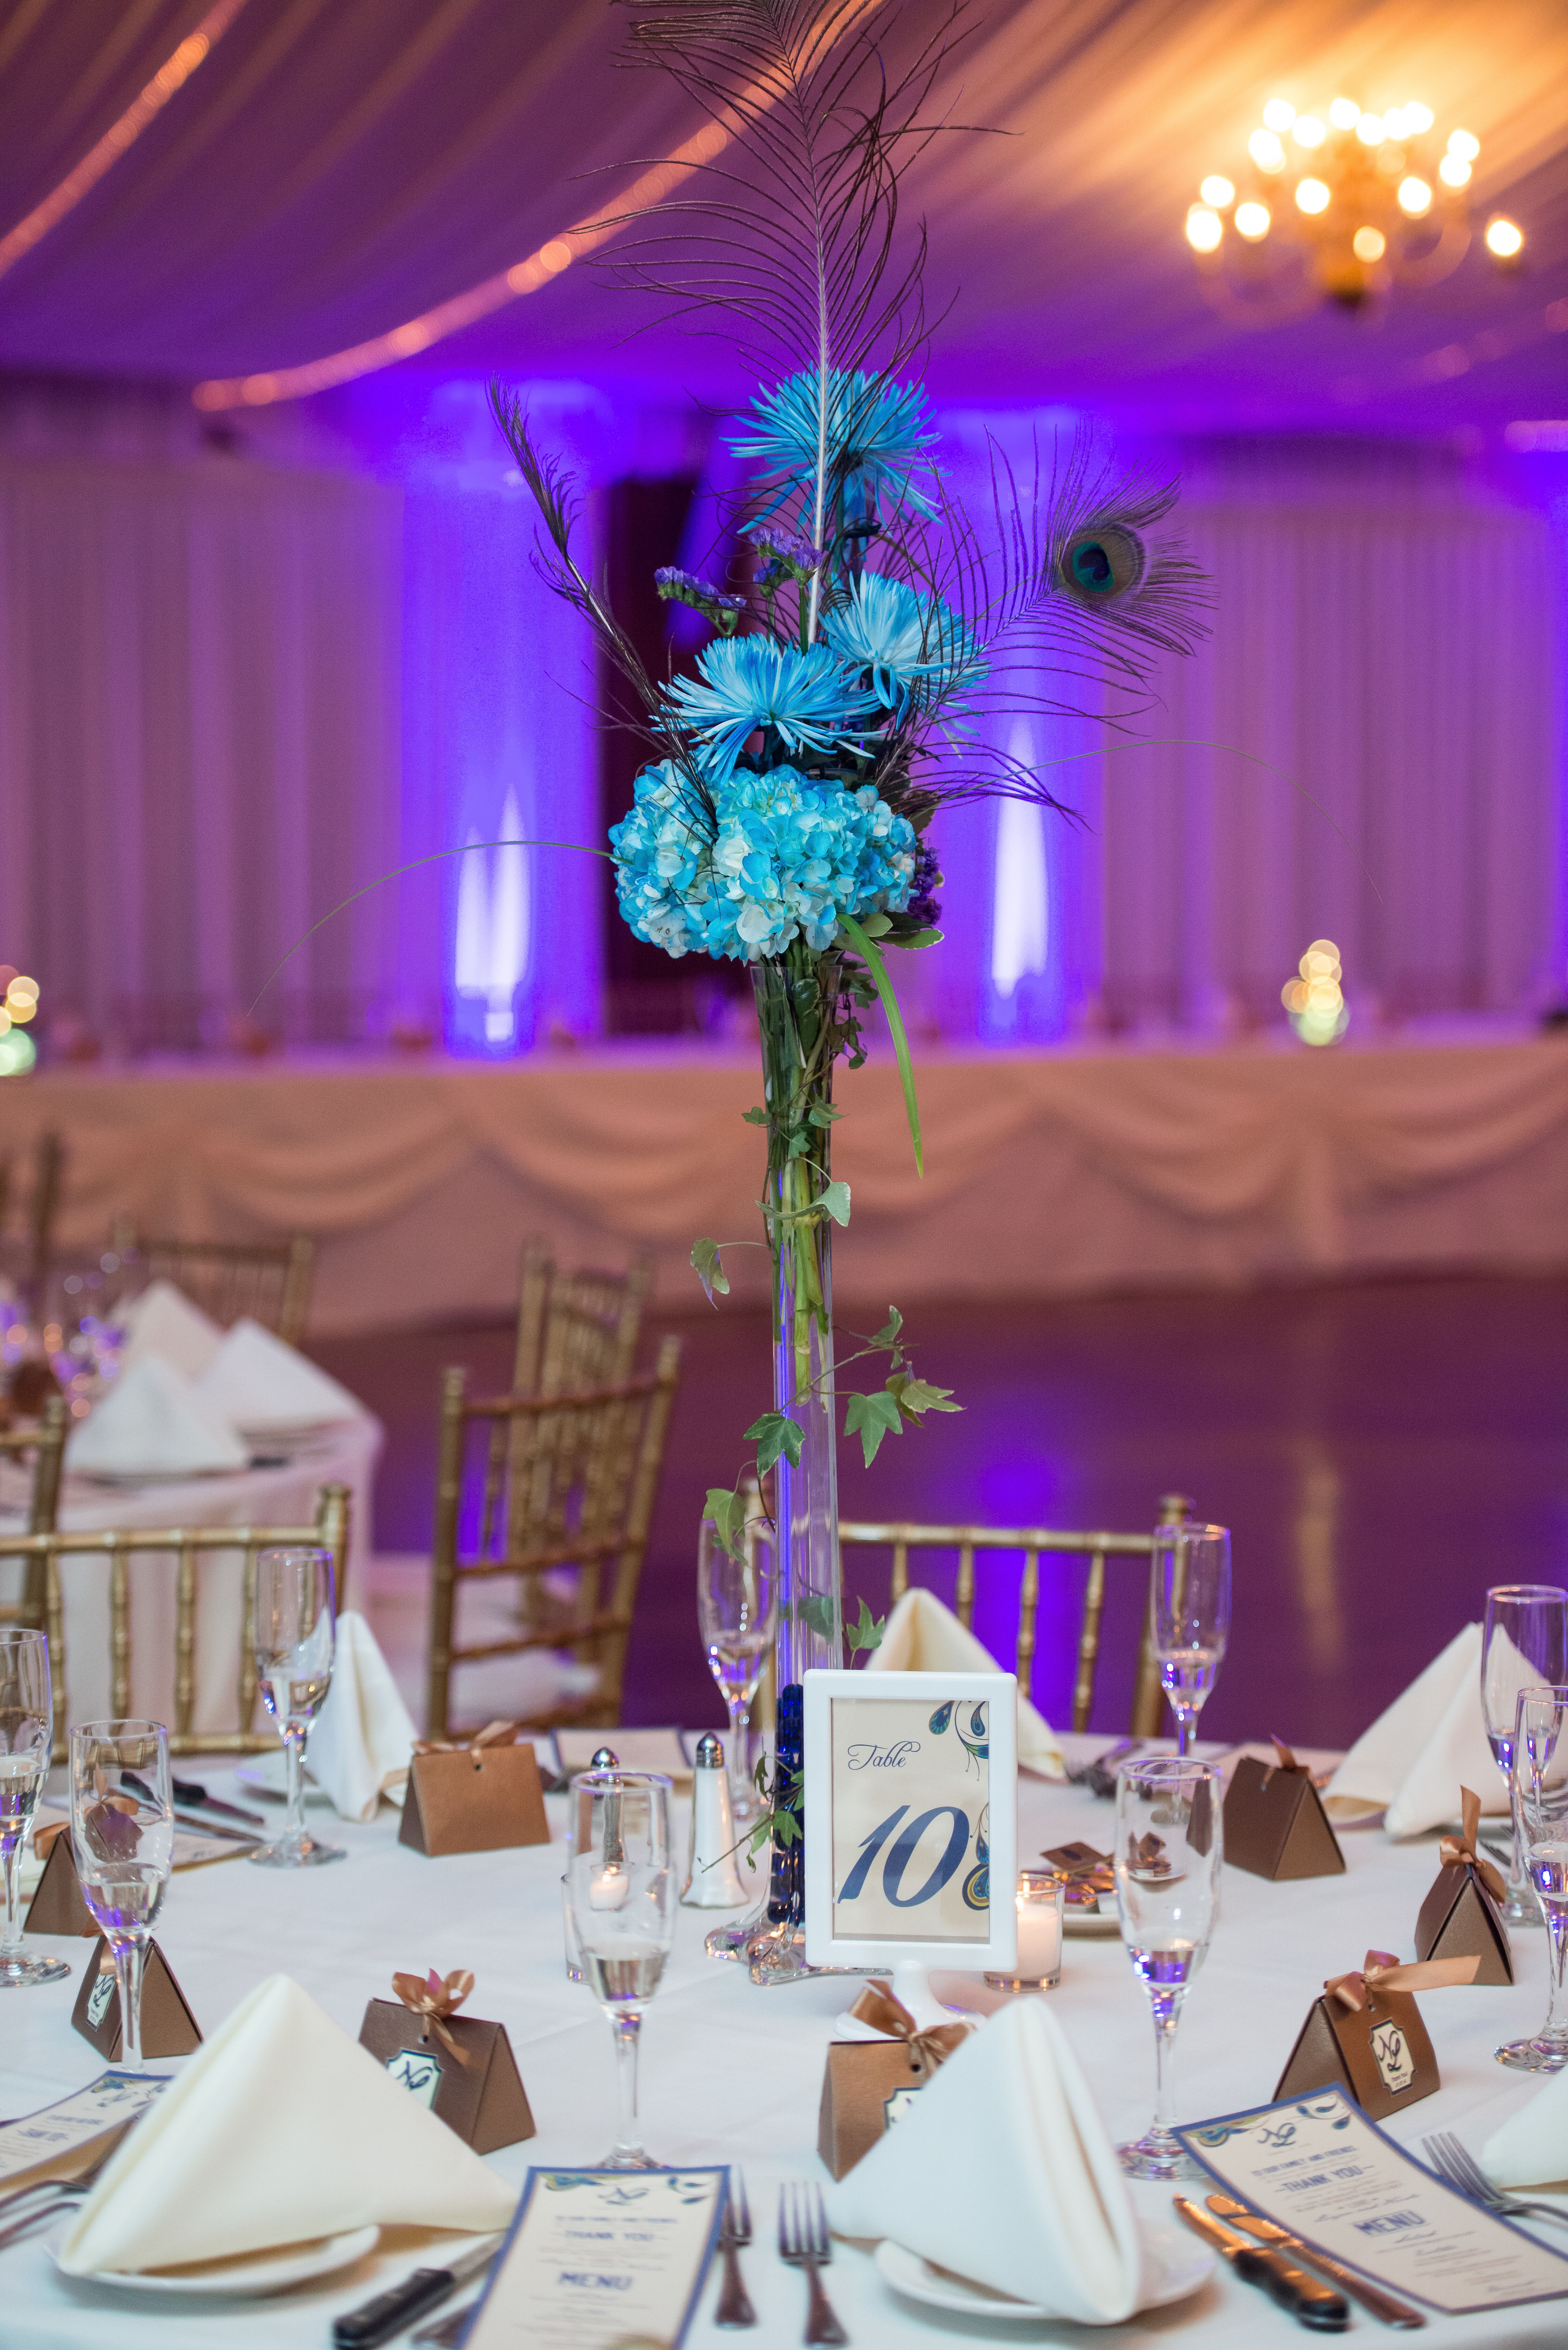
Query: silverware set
{"type": "Point", "coordinates": [1100, 1775]}
{"type": "Point", "coordinates": [1459, 2169]}
{"type": "Point", "coordinates": [804, 2243]}
{"type": "Point", "coordinates": [24, 2206]}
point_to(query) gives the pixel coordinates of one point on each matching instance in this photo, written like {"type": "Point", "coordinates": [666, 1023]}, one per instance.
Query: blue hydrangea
{"type": "Point", "coordinates": [909, 643]}
{"type": "Point", "coordinates": [809, 700]}
{"type": "Point", "coordinates": [790, 857]}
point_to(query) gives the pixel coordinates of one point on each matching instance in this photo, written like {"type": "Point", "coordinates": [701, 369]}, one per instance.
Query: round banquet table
{"type": "Point", "coordinates": [732, 2074]}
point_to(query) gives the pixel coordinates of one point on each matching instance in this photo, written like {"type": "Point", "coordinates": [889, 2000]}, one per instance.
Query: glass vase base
{"type": "Point", "coordinates": [777, 1954]}
{"type": "Point", "coordinates": [1157, 2155]}
{"type": "Point", "coordinates": [1545, 2054]}
{"type": "Point", "coordinates": [730, 1941]}
{"type": "Point", "coordinates": [306, 1853]}
{"type": "Point", "coordinates": [17, 1973]}
{"type": "Point", "coordinates": [1521, 1907]}
{"type": "Point", "coordinates": [629, 2157]}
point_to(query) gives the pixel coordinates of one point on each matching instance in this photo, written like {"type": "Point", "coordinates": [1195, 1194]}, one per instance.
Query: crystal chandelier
{"type": "Point", "coordinates": [1341, 205]}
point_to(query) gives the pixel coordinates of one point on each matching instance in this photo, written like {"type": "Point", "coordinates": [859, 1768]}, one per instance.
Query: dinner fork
{"type": "Point", "coordinates": [804, 2243]}
{"type": "Point", "coordinates": [55, 2194]}
{"type": "Point", "coordinates": [1454, 2163]}
{"type": "Point", "coordinates": [735, 2303]}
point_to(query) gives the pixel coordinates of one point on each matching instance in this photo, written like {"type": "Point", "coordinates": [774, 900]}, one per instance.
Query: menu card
{"type": "Point", "coordinates": [46, 2140]}
{"type": "Point", "coordinates": [1318, 2167]}
{"type": "Point", "coordinates": [599, 2257]}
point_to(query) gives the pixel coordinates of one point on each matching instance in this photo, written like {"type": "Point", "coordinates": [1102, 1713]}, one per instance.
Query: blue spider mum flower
{"type": "Point", "coordinates": [809, 699]}
{"type": "Point", "coordinates": [908, 643]}
{"type": "Point", "coordinates": [876, 433]}
{"type": "Point", "coordinates": [789, 858]}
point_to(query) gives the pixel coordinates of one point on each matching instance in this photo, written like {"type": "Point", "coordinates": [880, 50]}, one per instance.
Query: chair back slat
{"type": "Point", "coordinates": [964, 1596]}
{"type": "Point", "coordinates": [184, 1639]}
{"type": "Point", "coordinates": [46, 1442]}
{"type": "Point", "coordinates": [1028, 1617]}
{"type": "Point", "coordinates": [270, 1281]}
{"type": "Point", "coordinates": [119, 1631]}
{"type": "Point", "coordinates": [1089, 1640]}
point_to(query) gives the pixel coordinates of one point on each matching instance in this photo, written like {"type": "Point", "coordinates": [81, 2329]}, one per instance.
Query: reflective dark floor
{"type": "Point", "coordinates": [1382, 1453]}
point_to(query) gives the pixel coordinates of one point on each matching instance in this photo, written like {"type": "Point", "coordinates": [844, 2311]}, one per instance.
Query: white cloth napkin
{"type": "Point", "coordinates": [154, 1423]}
{"type": "Point", "coordinates": [1001, 2171]}
{"type": "Point", "coordinates": [280, 2130]}
{"type": "Point", "coordinates": [1531, 2149]}
{"type": "Point", "coordinates": [163, 1321]}
{"type": "Point", "coordinates": [1431, 1743]}
{"type": "Point", "coordinates": [362, 1740]}
{"type": "Point", "coordinates": [922, 1635]}
{"type": "Point", "coordinates": [267, 1388]}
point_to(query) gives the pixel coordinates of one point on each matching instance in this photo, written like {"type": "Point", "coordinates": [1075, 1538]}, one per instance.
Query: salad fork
{"type": "Point", "coordinates": [804, 2243]}
{"type": "Point", "coordinates": [1456, 2164]}
{"type": "Point", "coordinates": [735, 2303]}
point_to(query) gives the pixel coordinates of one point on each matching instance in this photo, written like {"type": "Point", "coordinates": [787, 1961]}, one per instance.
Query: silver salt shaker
{"type": "Point", "coordinates": [713, 1879]}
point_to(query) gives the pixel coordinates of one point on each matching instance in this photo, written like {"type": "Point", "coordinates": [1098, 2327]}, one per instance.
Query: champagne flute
{"type": "Point", "coordinates": [26, 1745]}
{"type": "Point", "coordinates": [1169, 1845]}
{"type": "Point", "coordinates": [738, 1609]}
{"type": "Point", "coordinates": [1540, 1790]}
{"type": "Point", "coordinates": [1524, 1644]}
{"type": "Point", "coordinates": [620, 1901]}
{"type": "Point", "coordinates": [122, 1827]}
{"type": "Point", "coordinates": [294, 1616]}
{"type": "Point", "coordinates": [1189, 1615]}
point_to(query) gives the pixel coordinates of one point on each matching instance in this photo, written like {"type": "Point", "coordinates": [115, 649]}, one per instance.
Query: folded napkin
{"type": "Point", "coordinates": [1001, 2171]}
{"type": "Point", "coordinates": [163, 1321]}
{"type": "Point", "coordinates": [1531, 2149]}
{"type": "Point", "coordinates": [280, 2130]}
{"type": "Point", "coordinates": [362, 1739]}
{"type": "Point", "coordinates": [1431, 1743]}
{"type": "Point", "coordinates": [154, 1423]}
{"type": "Point", "coordinates": [265, 1388]}
{"type": "Point", "coordinates": [921, 1636]}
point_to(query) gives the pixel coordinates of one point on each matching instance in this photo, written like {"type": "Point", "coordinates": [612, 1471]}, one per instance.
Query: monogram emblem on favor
{"type": "Point", "coordinates": [99, 1999]}
{"type": "Point", "coordinates": [898, 2105]}
{"type": "Point", "coordinates": [1394, 2059]}
{"type": "Point", "coordinates": [416, 2070]}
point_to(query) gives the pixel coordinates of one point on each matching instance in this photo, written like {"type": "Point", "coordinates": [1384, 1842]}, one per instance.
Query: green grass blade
{"type": "Point", "coordinates": [884, 986]}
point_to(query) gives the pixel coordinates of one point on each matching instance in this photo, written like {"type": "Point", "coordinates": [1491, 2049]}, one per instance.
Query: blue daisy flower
{"type": "Point", "coordinates": [809, 699]}
{"type": "Point", "coordinates": [906, 643]}
{"type": "Point", "coordinates": [875, 432]}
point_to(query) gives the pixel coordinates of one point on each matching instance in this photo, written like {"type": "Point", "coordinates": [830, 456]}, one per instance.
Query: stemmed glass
{"type": "Point", "coordinates": [1189, 1615]}
{"type": "Point", "coordinates": [26, 1744]}
{"type": "Point", "coordinates": [1524, 1644]}
{"type": "Point", "coordinates": [620, 1900]}
{"type": "Point", "coordinates": [738, 1609]}
{"type": "Point", "coordinates": [294, 1622]}
{"type": "Point", "coordinates": [122, 1826]}
{"type": "Point", "coordinates": [1539, 1785]}
{"type": "Point", "coordinates": [1168, 1848]}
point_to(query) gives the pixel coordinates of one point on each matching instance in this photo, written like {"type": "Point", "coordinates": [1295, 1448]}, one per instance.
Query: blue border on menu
{"type": "Point", "coordinates": [600, 2170]}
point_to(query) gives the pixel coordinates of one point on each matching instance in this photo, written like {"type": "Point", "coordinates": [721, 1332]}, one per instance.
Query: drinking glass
{"type": "Point", "coordinates": [1168, 1848]}
{"type": "Point", "coordinates": [26, 1744]}
{"type": "Point", "coordinates": [1524, 1644]}
{"type": "Point", "coordinates": [122, 1826]}
{"type": "Point", "coordinates": [1540, 1789]}
{"type": "Point", "coordinates": [294, 1661]}
{"type": "Point", "coordinates": [1189, 1615]}
{"type": "Point", "coordinates": [620, 1904]}
{"type": "Point", "coordinates": [738, 1609]}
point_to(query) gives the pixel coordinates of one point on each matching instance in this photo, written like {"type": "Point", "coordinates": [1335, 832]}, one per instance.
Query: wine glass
{"type": "Point", "coordinates": [738, 1609]}
{"type": "Point", "coordinates": [122, 1826]}
{"type": "Point", "coordinates": [1168, 1848]}
{"type": "Point", "coordinates": [294, 1661]}
{"type": "Point", "coordinates": [26, 1744]}
{"type": "Point", "coordinates": [1540, 1789]}
{"type": "Point", "coordinates": [1524, 1644]}
{"type": "Point", "coordinates": [1189, 1615]}
{"type": "Point", "coordinates": [620, 1900]}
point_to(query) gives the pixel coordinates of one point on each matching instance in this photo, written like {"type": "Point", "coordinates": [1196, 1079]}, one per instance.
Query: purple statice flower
{"type": "Point", "coordinates": [786, 555]}
{"type": "Point", "coordinates": [922, 907]}
{"type": "Point", "coordinates": [677, 587]}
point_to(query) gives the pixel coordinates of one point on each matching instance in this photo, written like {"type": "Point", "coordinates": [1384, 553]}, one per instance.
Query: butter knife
{"type": "Point", "coordinates": [378, 2319]}
{"type": "Point", "coordinates": [1372, 2297]}
{"type": "Point", "coordinates": [1311, 2303]}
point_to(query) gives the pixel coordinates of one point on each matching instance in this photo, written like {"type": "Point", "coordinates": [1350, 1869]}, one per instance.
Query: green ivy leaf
{"type": "Point", "coordinates": [728, 1512]}
{"type": "Point", "coordinates": [866, 1634]}
{"type": "Point", "coordinates": [800, 1141]}
{"type": "Point", "coordinates": [823, 1114]}
{"type": "Point", "coordinates": [887, 1336]}
{"type": "Point", "coordinates": [775, 1432]}
{"type": "Point", "coordinates": [755, 1117]}
{"type": "Point", "coordinates": [919, 1394]}
{"type": "Point", "coordinates": [836, 1200]}
{"type": "Point", "coordinates": [816, 1611]}
{"type": "Point", "coordinates": [871, 1417]}
{"type": "Point", "coordinates": [709, 1268]}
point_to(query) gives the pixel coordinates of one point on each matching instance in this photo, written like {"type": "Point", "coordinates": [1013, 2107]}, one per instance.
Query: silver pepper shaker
{"type": "Point", "coordinates": [713, 1879]}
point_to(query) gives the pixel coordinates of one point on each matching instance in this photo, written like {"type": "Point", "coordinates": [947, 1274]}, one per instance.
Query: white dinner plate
{"type": "Point", "coordinates": [1175, 2264]}
{"type": "Point", "coordinates": [250, 2278]}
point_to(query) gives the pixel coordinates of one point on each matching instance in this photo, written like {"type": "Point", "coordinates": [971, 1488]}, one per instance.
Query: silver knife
{"type": "Point", "coordinates": [378, 2319]}
{"type": "Point", "coordinates": [1371, 2297]}
{"type": "Point", "coordinates": [211, 1828]}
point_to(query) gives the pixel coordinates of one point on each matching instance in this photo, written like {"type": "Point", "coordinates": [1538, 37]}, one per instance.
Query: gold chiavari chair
{"type": "Point", "coordinates": [570, 1487]}
{"type": "Point", "coordinates": [46, 1441]}
{"type": "Point", "coordinates": [269, 1280]}
{"type": "Point", "coordinates": [575, 1330]}
{"type": "Point", "coordinates": [121, 1546]}
{"type": "Point", "coordinates": [1036, 1542]}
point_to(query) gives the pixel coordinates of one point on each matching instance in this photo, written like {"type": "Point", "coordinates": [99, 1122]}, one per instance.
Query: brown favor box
{"type": "Point", "coordinates": [861, 2079]}
{"type": "Point", "coordinates": [1379, 2054]}
{"type": "Point", "coordinates": [475, 1799]}
{"type": "Point", "coordinates": [57, 1906]}
{"type": "Point", "coordinates": [1275, 1825]}
{"type": "Point", "coordinates": [168, 2026]}
{"type": "Point", "coordinates": [1458, 1919]}
{"type": "Point", "coordinates": [483, 2100]}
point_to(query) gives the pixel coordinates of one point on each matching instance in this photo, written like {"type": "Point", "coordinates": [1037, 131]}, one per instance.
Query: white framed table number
{"type": "Point", "coordinates": [911, 1805]}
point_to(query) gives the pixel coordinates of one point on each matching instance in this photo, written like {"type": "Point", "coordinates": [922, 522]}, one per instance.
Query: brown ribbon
{"type": "Point", "coordinates": [495, 1733]}
{"type": "Point", "coordinates": [1382, 1971]}
{"type": "Point", "coordinates": [1287, 1761]}
{"type": "Point", "coordinates": [434, 2001]}
{"type": "Point", "coordinates": [1461, 1851]}
{"type": "Point", "coordinates": [878, 2007]}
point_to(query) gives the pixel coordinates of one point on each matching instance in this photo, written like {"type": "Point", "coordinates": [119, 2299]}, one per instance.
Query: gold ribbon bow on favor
{"type": "Point", "coordinates": [1286, 1756]}
{"type": "Point", "coordinates": [434, 2001]}
{"type": "Point", "coordinates": [878, 2007]}
{"type": "Point", "coordinates": [495, 1733]}
{"type": "Point", "coordinates": [1461, 1851]}
{"type": "Point", "coordinates": [1384, 1971]}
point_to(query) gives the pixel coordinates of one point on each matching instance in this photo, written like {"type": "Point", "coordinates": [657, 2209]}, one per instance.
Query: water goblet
{"type": "Point", "coordinates": [26, 1744]}
{"type": "Point", "coordinates": [122, 1829]}
{"type": "Point", "coordinates": [1540, 1787]}
{"type": "Point", "coordinates": [1524, 1644]}
{"type": "Point", "coordinates": [1189, 1616]}
{"type": "Point", "coordinates": [294, 1620]}
{"type": "Point", "coordinates": [620, 1904]}
{"type": "Point", "coordinates": [738, 1609]}
{"type": "Point", "coordinates": [1168, 1848]}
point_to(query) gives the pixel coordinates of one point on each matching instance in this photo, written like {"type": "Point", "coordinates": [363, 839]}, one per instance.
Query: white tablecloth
{"type": "Point", "coordinates": [732, 2074]}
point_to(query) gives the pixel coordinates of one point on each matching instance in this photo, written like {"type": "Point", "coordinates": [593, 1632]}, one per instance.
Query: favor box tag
{"type": "Point", "coordinates": [483, 2100]}
{"type": "Point", "coordinates": [1458, 1919]}
{"type": "Point", "coordinates": [474, 1800]}
{"type": "Point", "coordinates": [57, 1906]}
{"type": "Point", "coordinates": [168, 2026]}
{"type": "Point", "coordinates": [1379, 2054]}
{"type": "Point", "coordinates": [866, 2088]}
{"type": "Point", "coordinates": [1275, 1825]}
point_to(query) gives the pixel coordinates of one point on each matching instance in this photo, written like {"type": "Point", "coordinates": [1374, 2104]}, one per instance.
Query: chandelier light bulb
{"type": "Point", "coordinates": [1414, 197]}
{"type": "Point", "coordinates": [1204, 229]}
{"type": "Point", "coordinates": [1344, 114]}
{"type": "Point", "coordinates": [1218, 191]}
{"type": "Point", "coordinates": [1504, 238]}
{"type": "Point", "coordinates": [1311, 196]}
{"type": "Point", "coordinates": [1369, 130]}
{"type": "Point", "coordinates": [1464, 144]}
{"type": "Point", "coordinates": [1418, 118]}
{"type": "Point", "coordinates": [1266, 151]}
{"type": "Point", "coordinates": [1252, 220]}
{"type": "Point", "coordinates": [1453, 171]}
{"type": "Point", "coordinates": [1369, 245]}
{"type": "Point", "coordinates": [1279, 114]}
{"type": "Point", "coordinates": [1308, 132]}
{"type": "Point", "coordinates": [1397, 123]}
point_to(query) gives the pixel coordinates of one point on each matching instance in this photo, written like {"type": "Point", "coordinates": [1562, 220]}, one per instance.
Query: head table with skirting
{"type": "Point", "coordinates": [732, 2074]}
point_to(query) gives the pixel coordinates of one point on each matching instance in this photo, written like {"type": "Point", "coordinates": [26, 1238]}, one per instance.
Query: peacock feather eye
{"type": "Point", "coordinates": [1104, 563]}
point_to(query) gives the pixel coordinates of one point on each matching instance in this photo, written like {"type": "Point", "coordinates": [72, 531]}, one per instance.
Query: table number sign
{"type": "Point", "coordinates": [597, 2258]}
